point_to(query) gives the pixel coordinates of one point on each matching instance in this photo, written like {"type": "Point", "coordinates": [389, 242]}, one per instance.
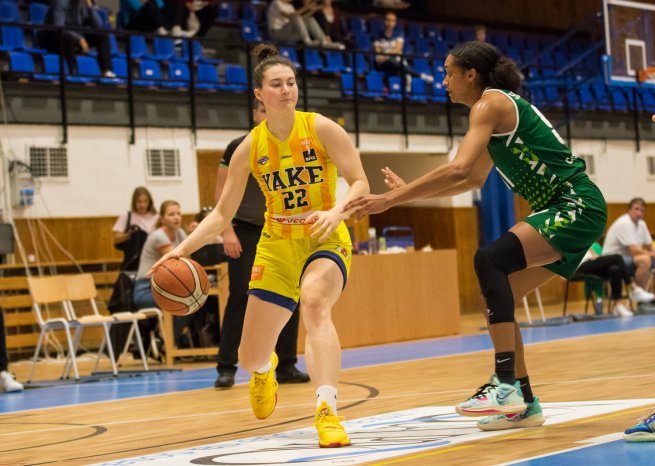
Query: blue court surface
{"type": "Point", "coordinates": [607, 452]}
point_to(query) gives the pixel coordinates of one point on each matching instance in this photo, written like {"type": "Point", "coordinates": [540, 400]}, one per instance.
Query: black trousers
{"type": "Point", "coordinates": [149, 18]}
{"type": "Point", "coordinates": [71, 46]}
{"type": "Point", "coordinates": [612, 268]}
{"type": "Point", "coordinates": [4, 359]}
{"type": "Point", "coordinates": [235, 310]}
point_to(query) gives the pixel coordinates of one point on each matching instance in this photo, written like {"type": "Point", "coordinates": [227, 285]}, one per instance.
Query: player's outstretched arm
{"type": "Point", "coordinates": [214, 223]}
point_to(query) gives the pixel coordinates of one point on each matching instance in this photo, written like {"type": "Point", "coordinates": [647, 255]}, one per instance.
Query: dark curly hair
{"type": "Point", "coordinates": [493, 68]}
{"type": "Point", "coordinates": [266, 55]}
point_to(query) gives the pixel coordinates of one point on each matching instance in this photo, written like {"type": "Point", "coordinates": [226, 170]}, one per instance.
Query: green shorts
{"type": "Point", "coordinates": [571, 223]}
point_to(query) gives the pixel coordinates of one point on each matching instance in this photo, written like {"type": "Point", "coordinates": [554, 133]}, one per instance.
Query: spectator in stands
{"type": "Point", "coordinates": [630, 237]}
{"type": "Point", "coordinates": [612, 267]}
{"type": "Point", "coordinates": [389, 48]}
{"type": "Point", "coordinates": [329, 18]}
{"type": "Point", "coordinates": [159, 242]}
{"type": "Point", "coordinates": [481, 33]}
{"type": "Point", "coordinates": [76, 14]}
{"type": "Point", "coordinates": [241, 237]}
{"type": "Point", "coordinates": [132, 227]}
{"type": "Point", "coordinates": [7, 381]}
{"type": "Point", "coordinates": [286, 24]}
{"type": "Point", "coordinates": [142, 16]}
{"type": "Point", "coordinates": [392, 4]}
{"type": "Point", "coordinates": [201, 17]}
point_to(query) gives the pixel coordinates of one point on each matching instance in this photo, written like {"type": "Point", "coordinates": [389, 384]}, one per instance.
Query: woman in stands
{"type": "Point", "coordinates": [535, 163]}
{"type": "Point", "coordinates": [304, 252]}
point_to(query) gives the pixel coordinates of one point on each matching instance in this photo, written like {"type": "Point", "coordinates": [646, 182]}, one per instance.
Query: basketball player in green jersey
{"type": "Point", "coordinates": [569, 213]}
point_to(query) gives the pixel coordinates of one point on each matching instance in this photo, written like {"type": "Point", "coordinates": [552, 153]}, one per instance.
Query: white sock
{"type": "Point", "coordinates": [327, 393]}
{"type": "Point", "coordinates": [264, 369]}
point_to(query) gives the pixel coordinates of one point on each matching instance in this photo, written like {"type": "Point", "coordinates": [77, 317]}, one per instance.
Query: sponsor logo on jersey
{"type": "Point", "coordinates": [257, 272]}
{"type": "Point", "coordinates": [292, 220]}
{"type": "Point", "coordinates": [344, 252]}
{"type": "Point", "coordinates": [309, 155]}
{"type": "Point", "coordinates": [291, 177]}
{"type": "Point", "coordinates": [262, 160]}
{"type": "Point", "coordinates": [288, 156]}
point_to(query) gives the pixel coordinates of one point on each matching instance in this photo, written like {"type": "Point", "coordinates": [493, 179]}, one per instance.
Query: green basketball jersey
{"type": "Point", "coordinates": [533, 160]}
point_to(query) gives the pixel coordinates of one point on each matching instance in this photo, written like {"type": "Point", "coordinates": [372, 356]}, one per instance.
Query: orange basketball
{"type": "Point", "coordinates": [180, 286]}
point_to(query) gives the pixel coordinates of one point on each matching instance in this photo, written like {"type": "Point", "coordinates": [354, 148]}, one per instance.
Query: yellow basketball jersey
{"type": "Point", "coordinates": [296, 176]}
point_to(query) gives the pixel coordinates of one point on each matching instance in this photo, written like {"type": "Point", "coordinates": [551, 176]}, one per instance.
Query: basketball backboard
{"type": "Point", "coordinates": [629, 40]}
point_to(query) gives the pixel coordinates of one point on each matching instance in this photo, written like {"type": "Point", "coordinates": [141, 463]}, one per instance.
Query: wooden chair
{"type": "Point", "coordinates": [48, 296]}
{"type": "Point", "coordinates": [81, 287]}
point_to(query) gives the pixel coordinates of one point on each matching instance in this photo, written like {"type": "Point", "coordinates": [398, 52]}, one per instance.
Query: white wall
{"type": "Point", "coordinates": [104, 168]}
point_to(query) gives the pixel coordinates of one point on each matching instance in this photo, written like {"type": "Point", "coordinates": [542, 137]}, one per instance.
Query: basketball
{"type": "Point", "coordinates": [180, 286]}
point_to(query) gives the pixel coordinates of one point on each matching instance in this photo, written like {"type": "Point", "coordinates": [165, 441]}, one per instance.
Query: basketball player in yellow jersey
{"type": "Point", "coordinates": [304, 252]}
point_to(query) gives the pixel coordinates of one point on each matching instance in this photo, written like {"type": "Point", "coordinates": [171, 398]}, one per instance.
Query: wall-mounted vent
{"type": "Point", "coordinates": [49, 162]}
{"type": "Point", "coordinates": [163, 163]}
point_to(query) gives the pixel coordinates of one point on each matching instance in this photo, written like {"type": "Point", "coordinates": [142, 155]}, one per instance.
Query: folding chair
{"type": "Point", "coordinates": [82, 287]}
{"type": "Point", "coordinates": [539, 305]}
{"type": "Point", "coordinates": [48, 292]}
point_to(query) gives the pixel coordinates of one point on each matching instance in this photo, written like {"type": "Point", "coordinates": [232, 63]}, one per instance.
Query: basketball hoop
{"type": "Point", "coordinates": [646, 75]}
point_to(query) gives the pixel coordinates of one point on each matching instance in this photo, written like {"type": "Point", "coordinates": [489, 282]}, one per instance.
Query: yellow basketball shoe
{"type": "Point", "coordinates": [263, 391]}
{"type": "Point", "coordinates": [331, 433]}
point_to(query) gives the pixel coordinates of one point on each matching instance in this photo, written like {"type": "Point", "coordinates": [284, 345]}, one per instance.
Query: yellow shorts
{"type": "Point", "coordinates": [280, 263]}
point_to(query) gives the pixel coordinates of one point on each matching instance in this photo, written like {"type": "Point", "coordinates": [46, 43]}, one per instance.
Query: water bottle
{"type": "Point", "coordinates": [598, 306]}
{"type": "Point", "coordinates": [382, 244]}
{"type": "Point", "coordinates": [372, 241]}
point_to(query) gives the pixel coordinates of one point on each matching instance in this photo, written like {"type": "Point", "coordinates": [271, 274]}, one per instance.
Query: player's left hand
{"type": "Point", "coordinates": [325, 222]}
{"type": "Point", "coordinates": [367, 205]}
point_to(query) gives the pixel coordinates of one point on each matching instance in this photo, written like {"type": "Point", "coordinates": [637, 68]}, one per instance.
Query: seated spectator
{"type": "Point", "coordinates": [142, 16]}
{"type": "Point", "coordinates": [159, 242]}
{"type": "Point", "coordinates": [76, 14]}
{"type": "Point", "coordinates": [329, 19]}
{"type": "Point", "coordinates": [612, 267]}
{"type": "Point", "coordinates": [286, 24]}
{"type": "Point", "coordinates": [481, 33]}
{"type": "Point", "coordinates": [629, 236]}
{"type": "Point", "coordinates": [389, 47]}
{"type": "Point", "coordinates": [201, 16]}
{"type": "Point", "coordinates": [392, 4]}
{"type": "Point", "coordinates": [7, 381]}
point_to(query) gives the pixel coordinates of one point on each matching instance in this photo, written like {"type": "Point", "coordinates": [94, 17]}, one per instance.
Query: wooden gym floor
{"type": "Point", "coordinates": [594, 378]}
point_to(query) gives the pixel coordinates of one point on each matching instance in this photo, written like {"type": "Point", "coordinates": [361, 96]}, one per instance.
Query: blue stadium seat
{"type": "Point", "coordinates": [51, 68]}
{"type": "Point", "coordinates": [517, 39]}
{"type": "Point", "coordinates": [408, 47]}
{"type": "Point", "coordinates": [207, 77]}
{"type": "Point", "coordinates": [532, 42]}
{"type": "Point", "coordinates": [103, 13]}
{"type": "Point", "coordinates": [249, 12]}
{"type": "Point", "coordinates": [439, 93]}
{"type": "Point", "coordinates": [362, 62]}
{"type": "Point", "coordinates": [575, 102]}
{"type": "Point", "coordinates": [374, 85]}
{"type": "Point", "coordinates": [450, 35]}
{"type": "Point", "coordinates": [414, 30]}
{"type": "Point", "coordinates": [291, 54]}
{"type": "Point", "coordinates": [226, 12]}
{"type": "Point", "coordinates": [619, 100]}
{"type": "Point", "coordinates": [163, 49]}
{"type": "Point", "coordinates": [357, 25]}
{"type": "Point", "coordinates": [335, 63]}
{"type": "Point", "coordinates": [347, 84]}
{"type": "Point", "coordinates": [602, 96]}
{"type": "Point", "coordinates": [501, 40]}
{"type": "Point", "coordinates": [439, 70]}
{"type": "Point", "coordinates": [515, 54]}
{"type": "Point", "coordinates": [149, 74]}
{"type": "Point", "coordinates": [375, 26]}
{"type": "Point", "coordinates": [420, 91]}
{"type": "Point", "coordinates": [87, 70]}
{"type": "Point", "coordinates": [14, 39]}
{"type": "Point", "coordinates": [587, 101]}
{"type": "Point", "coordinates": [647, 100]}
{"type": "Point", "coordinates": [546, 60]}
{"type": "Point", "coordinates": [178, 76]}
{"type": "Point", "coordinates": [113, 47]}
{"type": "Point", "coordinates": [423, 47]}
{"type": "Point", "coordinates": [421, 65]}
{"type": "Point", "coordinates": [250, 31]}
{"type": "Point", "coordinates": [553, 98]}
{"type": "Point", "coordinates": [235, 78]}
{"type": "Point", "coordinates": [313, 61]}
{"type": "Point", "coordinates": [395, 88]}
{"type": "Point", "coordinates": [20, 62]}
{"type": "Point", "coordinates": [441, 49]}
{"type": "Point", "coordinates": [138, 47]}
{"type": "Point", "coordinates": [363, 42]}
{"type": "Point", "coordinates": [119, 66]}
{"type": "Point", "coordinates": [467, 34]}
{"type": "Point", "coordinates": [9, 12]}
{"type": "Point", "coordinates": [561, 59]}
{"type": "Point", "coordinates": [432, 32]}
{"type": "Point", "coordinates": [37, 12]}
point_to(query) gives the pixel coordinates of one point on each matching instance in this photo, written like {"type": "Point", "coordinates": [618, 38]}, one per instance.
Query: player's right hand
{"type": "Point", "coordinates": [231, 244]}
{"type": "Point", "coordinates": [174, 254]}
{"type": "Point", "coordinates": [392, 180]}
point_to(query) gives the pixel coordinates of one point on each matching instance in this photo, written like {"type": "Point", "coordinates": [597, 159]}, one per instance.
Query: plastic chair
{"type": "Point", "coordinates": [250, 31]}
{"type": "Point", "coordinates": [374, 86]}
{"type": "Point", "coordinates": [13, 38]}
{"type": "Point", "coordinates": [207, 77]}
{"type": "Point", "coordinates": [37, 12]}
{"type": "Point", "coordinates": [10, 13]}
{"type": "Point", "coordinates": [20, 62]}
{"type": "Point", "coordinates": [163, 49]}
{"type": "Point", "coordinates": [51, 69]}
{"type": "Point", "coordinates": [138, 47]}
{"type": "Point", "coordinates": [226, 12]}
{"type": "Point", "coordinates": [291, 54]}
{"type": "Point", "coordinates": [178, 76]}
{"type": "Point", "coordinates": [313, 60]}
{"type": "Point", "coordinates": [235, 78]}
{"type": "Point", "coordinates": [149, 74]}
{"type": "Point", "coordinates": [87, 70]}
{"type": "Point", "coordinates": [395, 88]}
{"type": "Point", "coordinates": [347, 84]}
{"type": "Point", "coordinates": [334, 62]}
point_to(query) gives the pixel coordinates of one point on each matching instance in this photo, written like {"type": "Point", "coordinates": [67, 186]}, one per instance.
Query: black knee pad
{"type": "Point", "coordinates": [492, 265]}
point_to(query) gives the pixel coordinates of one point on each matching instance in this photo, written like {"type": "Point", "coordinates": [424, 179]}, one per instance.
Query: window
{"type": "Point", "coordinates": [163, 163]}
{"type": "Point", "coordinates": [590, 160]}
{"type": "Point", "coordinates": [51, 162]}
